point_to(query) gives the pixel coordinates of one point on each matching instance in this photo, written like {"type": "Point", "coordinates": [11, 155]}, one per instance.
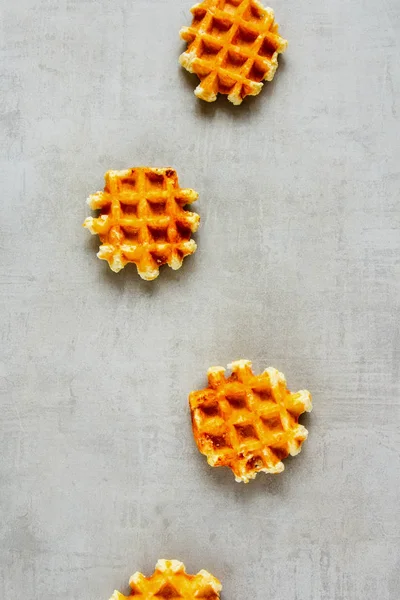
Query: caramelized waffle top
{"type": "Point", "coordinates": [142, 220]}
{"type": "Point", "coordinates": [248, 422]}
{"type": "Point", "coordinates": [170, 581]}
{"type": "Point", "coordinates": [233, 46]}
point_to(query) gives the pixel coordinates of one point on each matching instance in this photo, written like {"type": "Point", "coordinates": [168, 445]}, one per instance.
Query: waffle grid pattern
{"type": "Point", "coordinates": [247, 422]}
{"type": "Point", "coordinates": [170, 581]}
{"type": "Point", "coordinates": [233, 45]}
{"type": "Point", "coordinates": [142, 220]}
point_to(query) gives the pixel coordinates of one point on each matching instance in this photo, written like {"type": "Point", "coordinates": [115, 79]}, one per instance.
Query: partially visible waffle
{"type": "Point", "coordinates": [170, 581]}
{"type": "Point", "coordinates": [142, 220]}
{"type": "Point", "coordinates": [248, 422]}
{"type": "Point", "coordinates": [233, 46]}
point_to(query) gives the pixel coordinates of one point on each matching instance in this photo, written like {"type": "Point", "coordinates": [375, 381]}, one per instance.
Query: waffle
{"type": "Point", "coordinates": [233, 46]}
{"type": "Point", "coordinates": [248, 422]}
{"type": "Point", "coordinates": [169, 581]}
{"type": "Point", "coordinates": [142, 220]}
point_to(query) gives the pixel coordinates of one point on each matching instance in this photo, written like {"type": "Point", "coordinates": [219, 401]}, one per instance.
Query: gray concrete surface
{"type": "Point", "coordinates": [297, 267]}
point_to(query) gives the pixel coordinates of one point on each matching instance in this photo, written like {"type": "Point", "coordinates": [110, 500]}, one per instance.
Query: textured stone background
{"type": "Point", "coordinates": [297, 267]}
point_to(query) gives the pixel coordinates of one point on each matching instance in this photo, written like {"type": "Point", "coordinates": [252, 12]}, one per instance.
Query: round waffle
{"type": "Point", "coordinates": [170, 581]}
{"type": "Point", "coordinates": [248, 422]}
{"type": "Point", "coordinates": [233, 46]}
{"type": "Point", "coordinates": [142, 220]}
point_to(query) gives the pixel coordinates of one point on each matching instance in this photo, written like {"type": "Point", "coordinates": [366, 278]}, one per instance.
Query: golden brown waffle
{"type": "Point", "coordinates": [170, 581]}
{"type": "Point", "coordinates": [233, 46]}
{"type": "Point", "coordinates": [248, 422]}
{"type": "Point", "coordinates": [142, 220]}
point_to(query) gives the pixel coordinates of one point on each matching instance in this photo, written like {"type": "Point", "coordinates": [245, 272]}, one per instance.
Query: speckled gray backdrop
{"type": "Point", "coordinates": [297, 267]}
